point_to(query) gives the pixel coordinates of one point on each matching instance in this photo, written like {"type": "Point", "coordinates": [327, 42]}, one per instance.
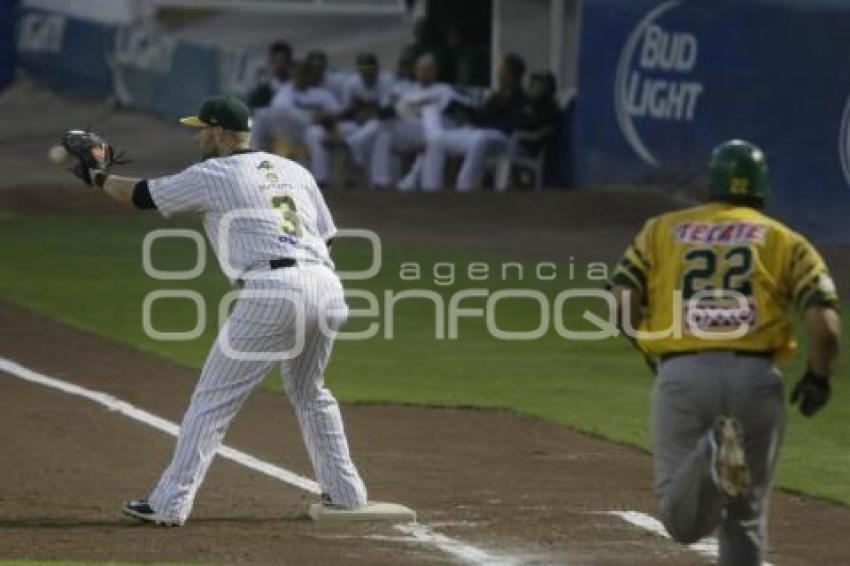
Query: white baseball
{"type": "Point", "coordinates": [57, 155]}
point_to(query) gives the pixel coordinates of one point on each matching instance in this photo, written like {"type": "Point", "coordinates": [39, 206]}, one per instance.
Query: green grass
{"type": "Point", "coordinates": [88, 272]}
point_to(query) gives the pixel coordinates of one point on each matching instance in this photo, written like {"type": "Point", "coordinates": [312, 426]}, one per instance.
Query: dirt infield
{"type": "Point", "coordinates": [514, 485]}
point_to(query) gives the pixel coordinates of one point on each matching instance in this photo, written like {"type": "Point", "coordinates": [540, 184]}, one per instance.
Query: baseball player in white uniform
{"type": "Point", "coordinates": [368, 86]}
{"type": "Point", "coordinates": [361, 142]}
{"type": "Point", "coordinates": [403, 81]}
{"type": "Point", "coordinates": [276, 75]}
{"type": "Point", "coordinates": [363, 94]}
{"type": "Point", "coordinates": [269, 227]}
{"type": "Point", "coordinates": [419, 119]}
{"type": "Point", "coordinates": [500, 115]}
{"type": "Point", "coordinates": [454, 138]}
{"type": "Point", "coordinates": [295, 108]}
{"type": "Point", "coordinates": [322, 77]}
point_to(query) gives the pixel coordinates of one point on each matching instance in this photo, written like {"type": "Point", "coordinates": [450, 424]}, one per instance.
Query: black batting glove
{"type": "Point", "coordinates": [812, 392]}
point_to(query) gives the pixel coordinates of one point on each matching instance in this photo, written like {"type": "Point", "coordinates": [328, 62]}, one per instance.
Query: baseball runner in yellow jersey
{"type": "Point", "coordinates": [709, 290]}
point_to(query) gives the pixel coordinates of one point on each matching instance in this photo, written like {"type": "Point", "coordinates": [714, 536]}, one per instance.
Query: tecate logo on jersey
{"type": "Point", "coordinates": [652, 80]}
{"type": "Point", "coordinates": [844, 141]}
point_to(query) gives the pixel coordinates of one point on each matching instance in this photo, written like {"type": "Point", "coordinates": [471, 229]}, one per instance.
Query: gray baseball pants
{"type": "Point", "coordinates": [690, 392]}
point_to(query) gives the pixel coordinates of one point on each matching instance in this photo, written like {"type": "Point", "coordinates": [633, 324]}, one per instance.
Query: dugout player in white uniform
{"type": "Point", "coordinates": [419, 119]}
{"type": "Point", "coordinates": [362, 95]}
{"type": "Point", "coordinates": [501, 114]}
{"type": "Point", "coordinates": [277, 74]}
{"type": "Point", "coordinates": [322, 77]}
{"type": "Point", "coordinates": [269, 226]}
{"type": "Point", "coordinates": [294, 109]}
{"type": "Point", "coordinates": [361, 141]}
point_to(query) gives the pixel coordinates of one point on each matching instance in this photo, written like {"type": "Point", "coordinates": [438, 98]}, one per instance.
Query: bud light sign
{"type": "Point", "coordinates": [658, 97]}
{"type": "Point", "coordinates": [653, 78]}
{"type": "Point", "coordinates": [661, 82]}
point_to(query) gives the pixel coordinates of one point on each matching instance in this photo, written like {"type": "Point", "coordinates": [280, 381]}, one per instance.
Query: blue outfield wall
{"type": "Point", "coordinates": [154, 71]}
{"type": "Point", "coordinates": [67, 54]}
{"type": "Point", "coordinates": [138, 65]}
{"type": "Point", "coordinates": [9, 11]}
{"type": "Point", "coordinates": [662, 82]}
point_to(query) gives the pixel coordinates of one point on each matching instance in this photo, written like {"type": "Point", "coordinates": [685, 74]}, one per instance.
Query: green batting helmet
{"type": "Point", "coordinates": [738, 173]}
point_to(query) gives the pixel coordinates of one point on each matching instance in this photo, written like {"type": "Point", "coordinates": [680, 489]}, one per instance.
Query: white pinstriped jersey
{"type": "Point", "coordinates": [256, 207]}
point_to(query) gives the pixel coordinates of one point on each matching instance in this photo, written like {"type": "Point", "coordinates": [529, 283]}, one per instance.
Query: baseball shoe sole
{"type": "Point", "coordinates": [729, 467]}
{"type": "Point", "coordinates": [140, 509]}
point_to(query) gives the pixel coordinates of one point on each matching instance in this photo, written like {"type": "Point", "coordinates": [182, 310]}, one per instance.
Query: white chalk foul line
{"type": "Point", "coordinates": [707, 547]}
{"type": "Point", "coordinates": [416, 532]}
{"type": "Point", "coordinates": [168, 427]}
{"type": "Point", "coordinates": [455, 547]}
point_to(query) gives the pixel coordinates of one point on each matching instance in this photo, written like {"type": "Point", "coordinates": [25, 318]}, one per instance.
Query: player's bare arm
{"type": "Point", "coordinates": [129, 191]}
{"type": "Point", "coordinates": [121, 188]}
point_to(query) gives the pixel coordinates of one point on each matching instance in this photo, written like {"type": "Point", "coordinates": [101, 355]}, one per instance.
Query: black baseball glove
{"type": "Point", "coordinates": [812, 392]}
{"type": "Point", "coordinates": [92, 156]}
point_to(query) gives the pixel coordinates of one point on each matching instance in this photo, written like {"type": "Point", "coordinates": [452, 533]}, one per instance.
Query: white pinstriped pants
{"type": "Point", "coordinates": [268, 324]}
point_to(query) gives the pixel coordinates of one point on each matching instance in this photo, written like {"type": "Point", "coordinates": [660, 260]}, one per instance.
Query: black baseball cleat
{"type": "Point", "coordinates": [328, 502]}
{"type": "Point", "coordinates": [140, 509]}
{"type": "Point", "coordinates": [729, 468]}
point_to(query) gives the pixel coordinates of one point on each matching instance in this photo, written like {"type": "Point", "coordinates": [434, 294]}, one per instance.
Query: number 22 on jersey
{"type": "Point", "coordinates": [727, 269]}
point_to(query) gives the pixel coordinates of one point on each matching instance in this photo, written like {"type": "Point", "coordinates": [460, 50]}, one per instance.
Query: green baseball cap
{"type": "Point", "coordinates": [227, 112]}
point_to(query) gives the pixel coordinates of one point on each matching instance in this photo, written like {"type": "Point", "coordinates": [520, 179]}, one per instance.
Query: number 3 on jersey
{"type": "Point", "coordinates": [289, 222]}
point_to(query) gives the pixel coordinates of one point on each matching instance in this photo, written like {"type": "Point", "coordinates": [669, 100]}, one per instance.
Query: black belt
{"type": "Point", "coordinates": [765, 354]}
{"type": "Point", "coordinates": [280, 263]}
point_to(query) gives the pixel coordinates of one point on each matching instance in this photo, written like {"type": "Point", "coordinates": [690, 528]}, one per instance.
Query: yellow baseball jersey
{"type": "Point", "coordinates": [721, 276]}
